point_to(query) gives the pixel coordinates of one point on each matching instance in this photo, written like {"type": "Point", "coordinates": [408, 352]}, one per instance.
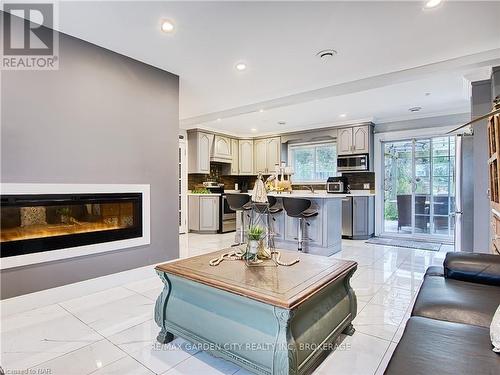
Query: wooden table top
{"type": "Point", "coordinates": [280, 286]}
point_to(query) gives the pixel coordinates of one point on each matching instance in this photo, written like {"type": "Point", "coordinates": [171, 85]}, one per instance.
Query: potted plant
{"type": "Point", "coordinates": [255, 233]}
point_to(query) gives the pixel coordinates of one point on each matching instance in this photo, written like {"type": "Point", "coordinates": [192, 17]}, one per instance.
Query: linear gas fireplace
{"type": "Point", "coordinates": [32, 223]}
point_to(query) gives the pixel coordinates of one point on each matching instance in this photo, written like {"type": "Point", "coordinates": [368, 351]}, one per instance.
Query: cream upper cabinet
{"type": "Point", "coordinates": [199, 150]}
{"type": "Point", "coordinates": [344, 144]}
{"type": "Point", "coordinates": [267, 153]}
{"type": "Point", "coordinates": [246, 156]}
{"type": "Point", "coordinates": [221, 149]}
{"type": "Point", "coordinates": [235, 167]}
{"type": "Point", "coordinates": [354, 140]}
{"type": "Point", "coordinates": [273, 153]}
{"type": "Point", "coordinates": [361, 139]}
{"type": "Point", "coordinates": [260, 163]}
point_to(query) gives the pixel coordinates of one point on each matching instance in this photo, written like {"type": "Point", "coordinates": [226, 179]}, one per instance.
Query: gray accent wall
{"type": "Point", "coordinates": [481, 104]}
{"type": "Point", "coordinates": [101, 118]}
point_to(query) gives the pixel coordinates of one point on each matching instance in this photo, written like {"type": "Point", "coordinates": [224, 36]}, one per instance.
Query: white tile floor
{"type": "Point", "coordinates": [112, 331]}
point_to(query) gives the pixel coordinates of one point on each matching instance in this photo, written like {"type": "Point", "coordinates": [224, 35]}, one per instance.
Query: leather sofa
{"type": "Point", "coordinates": [449, 328]}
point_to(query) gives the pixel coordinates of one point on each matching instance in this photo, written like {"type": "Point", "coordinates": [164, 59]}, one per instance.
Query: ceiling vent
{"type": "Point", "coordinates": [326, 54]}
{"type": "Point", "coordinates": [281, 123]}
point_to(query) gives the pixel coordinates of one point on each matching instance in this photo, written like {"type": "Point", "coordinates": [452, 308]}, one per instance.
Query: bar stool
{"type": "Point", "coordinates": [274, 208]}
{"type": "Point", "coordinates": [240, 204]}
{"type": "Point", "coordinates": [302, 209]}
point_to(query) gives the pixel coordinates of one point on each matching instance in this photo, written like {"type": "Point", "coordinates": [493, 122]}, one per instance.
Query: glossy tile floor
{"type": "Point", "coordinates": [112, 331]}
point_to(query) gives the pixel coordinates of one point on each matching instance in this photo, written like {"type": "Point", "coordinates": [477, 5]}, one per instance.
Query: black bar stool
{"type": "Point", "coordinates": [240, 204]}
{"type": "Point", "coordinates": [302, 209]}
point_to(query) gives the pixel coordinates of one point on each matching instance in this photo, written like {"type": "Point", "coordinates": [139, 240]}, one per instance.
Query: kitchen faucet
{"type": "Point", "coordinates": [310, 188]}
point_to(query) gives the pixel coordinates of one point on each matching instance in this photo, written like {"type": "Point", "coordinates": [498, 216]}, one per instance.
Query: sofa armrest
{"type": "Point", "coordinates": [435, 271]}
{"type": "Point", "coordinates": [474, 268]}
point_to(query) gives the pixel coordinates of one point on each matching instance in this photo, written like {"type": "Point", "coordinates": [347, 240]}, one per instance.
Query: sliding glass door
{"type": "Point", "coordinates": [419, 187]}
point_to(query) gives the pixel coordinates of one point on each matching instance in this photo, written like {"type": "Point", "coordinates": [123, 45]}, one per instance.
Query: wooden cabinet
{"type": "Point", "coordinates": [199, 148]}
{"type": "Point", "coordinates": [494, 180]}
{"type": "Point", "coordinates": [221, 150]}
{"type": "Point", "coordinates": [344, 143]}
{"type": "Point", "coordinates": [203, 213]}
{"type": "Point", "coordinates": [246, 156]}
{"type": "Point", "coordinates": [267, 153]}
{"type": "Point", "coordinates": [259, 151]}
{"type": "Point", "coordinates": [235, 167]}
{"type": "Point", "coordinates": [363, 216]}
{"type": "Point", "coordinates": [354, 140]}
{"type": "Point", "coordinates": [361, 139]}
{"type": "Point", "coordinates": [273, 153]}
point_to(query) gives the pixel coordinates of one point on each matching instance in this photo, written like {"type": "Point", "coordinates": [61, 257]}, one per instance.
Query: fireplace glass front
{"type": "Point", "coordinates": [34, 223]}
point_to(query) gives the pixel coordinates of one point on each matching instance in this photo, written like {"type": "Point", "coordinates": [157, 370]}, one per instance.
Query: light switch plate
{"type": "Point", "coordinates": [366, 186]}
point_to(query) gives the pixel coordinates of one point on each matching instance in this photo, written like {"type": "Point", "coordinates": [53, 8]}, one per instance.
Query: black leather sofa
{"type": "Point", "coordinates": [449, 328]}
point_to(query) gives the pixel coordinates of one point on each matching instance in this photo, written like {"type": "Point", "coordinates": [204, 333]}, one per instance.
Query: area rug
{"type": "Point", "coordinates": [411, 244]}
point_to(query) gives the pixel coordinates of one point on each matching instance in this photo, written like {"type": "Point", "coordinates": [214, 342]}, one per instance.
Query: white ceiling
{"type": "Point", "coordinates": [389, 55]}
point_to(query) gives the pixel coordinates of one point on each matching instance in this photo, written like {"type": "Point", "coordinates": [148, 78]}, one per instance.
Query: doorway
{"type": "Point", "coordinates": [419, 188]}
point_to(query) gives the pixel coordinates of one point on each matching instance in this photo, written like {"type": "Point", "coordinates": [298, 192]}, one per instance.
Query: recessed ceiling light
{"type": "Point", "coordinates": [326, 54]}
{"type": "Point", "coordinates": [261, 110]}
{"type": "Point", "coordinates": [432, 3]}
{"type": "Point", "coordinates": [281, 123]}
{"type": "Point", "coordinates": [414, 109]}
{"type": "Point", "coordinates": [218, 120]}
{"type": "Point", "coordinates": [343, 115]}
{"type": "Point", "coordinates": [167, 26]}
{"type": "Point", "coordinates": [240, 66]}
{"type": "Point", "coordinates": [253, 130]}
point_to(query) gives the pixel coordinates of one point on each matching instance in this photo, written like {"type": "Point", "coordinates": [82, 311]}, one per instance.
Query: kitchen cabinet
{"type": "Point", "coordinates": [199, 149]}
{"type": "Point", "coordinates": [354, 140]}
{"type": "Point", "coordinates": [259, 149]}
{"type": "Point", "coordinates": [246, 156]}
{"type": "Point", "coordinates": [344, 144]}
{"type": "Point", "coordinates": [221, 151]}
{"type": "Point", "coordinates": [235, 167]}
{"type": "Point", "coordinates": [358, 217]}
{"type": "Point", "coordinates": [361, 139]}
{"type": "Point", "coordinates": [203, 213]}
{"type": "Point", "coordinates": [267, 153]}
{"type": "Point", "coordinates": [273, 153]}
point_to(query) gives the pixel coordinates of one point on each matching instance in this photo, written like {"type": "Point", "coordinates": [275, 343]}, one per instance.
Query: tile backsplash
{"type": "Point", "coordinates": [355, 180]}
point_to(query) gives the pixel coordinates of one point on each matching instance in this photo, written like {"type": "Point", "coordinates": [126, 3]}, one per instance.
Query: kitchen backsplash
{"type": "Point", "coordinates": [355, 180]}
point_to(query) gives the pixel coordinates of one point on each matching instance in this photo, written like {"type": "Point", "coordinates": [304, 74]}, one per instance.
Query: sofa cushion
{"type": "Point", "coordinates": [431, 346]}
{"type": "Point", "coordinates": [475, 268]}
{"type": "Point", "coordinates": [457, 301]}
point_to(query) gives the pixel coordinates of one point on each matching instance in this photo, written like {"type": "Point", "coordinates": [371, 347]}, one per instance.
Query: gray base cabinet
{"type": "Point", "coordinates": [358, 217]}
{"type": "Point", "coordinates": [203, 213]}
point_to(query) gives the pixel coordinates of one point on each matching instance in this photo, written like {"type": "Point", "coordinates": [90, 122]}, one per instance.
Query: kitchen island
{"type": "Point", "coordinates": [322, 233]}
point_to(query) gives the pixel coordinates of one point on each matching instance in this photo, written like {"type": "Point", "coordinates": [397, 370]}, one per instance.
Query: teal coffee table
{"type": "Point", "coordinates": [269, 320]}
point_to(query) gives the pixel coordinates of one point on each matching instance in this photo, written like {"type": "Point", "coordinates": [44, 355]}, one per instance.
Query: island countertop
{"type": "Point", "coordinates": [322, 194]}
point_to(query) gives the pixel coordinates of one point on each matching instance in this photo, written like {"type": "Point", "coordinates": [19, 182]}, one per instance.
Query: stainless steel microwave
{"type": "Point", "coordinates": [352, 163]}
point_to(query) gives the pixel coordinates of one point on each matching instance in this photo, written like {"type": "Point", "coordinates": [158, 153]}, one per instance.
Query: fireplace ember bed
{"type": "Point", "coordinates": [35, 223]}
